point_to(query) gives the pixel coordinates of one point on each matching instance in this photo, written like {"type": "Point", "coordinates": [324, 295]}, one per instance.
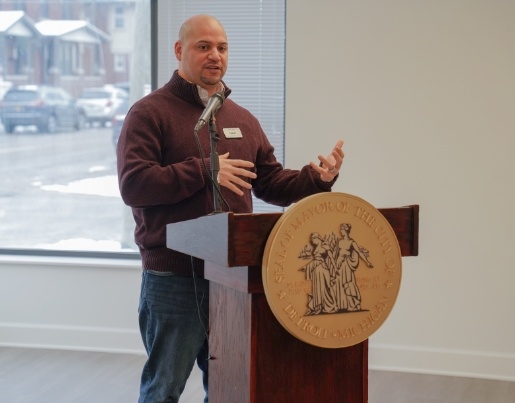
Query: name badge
{"type": "Point", "coordinates": [233, 133]}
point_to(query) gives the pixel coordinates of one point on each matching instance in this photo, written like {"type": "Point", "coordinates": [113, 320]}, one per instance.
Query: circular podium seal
{"type": "Point", "coordinates": [332, 270]}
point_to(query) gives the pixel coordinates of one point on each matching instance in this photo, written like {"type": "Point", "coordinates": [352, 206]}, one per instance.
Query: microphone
{"type": "Point", "coordinates": [215, 102]}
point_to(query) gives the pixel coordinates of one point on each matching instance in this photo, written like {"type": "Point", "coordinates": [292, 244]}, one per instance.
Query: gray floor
{"type": "Point", "coordinates": [55, 376]}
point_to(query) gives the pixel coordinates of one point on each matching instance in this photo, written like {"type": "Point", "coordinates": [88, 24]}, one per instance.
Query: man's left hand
{"type": "Point", "coordinates": [330, 166]}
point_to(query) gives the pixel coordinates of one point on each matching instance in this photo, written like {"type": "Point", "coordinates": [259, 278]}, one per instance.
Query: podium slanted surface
{"type": "Point", "coordinates": [233, 240]}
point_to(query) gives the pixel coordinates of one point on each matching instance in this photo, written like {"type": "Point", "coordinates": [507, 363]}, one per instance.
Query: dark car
{"type": "Point", "coordinates": [49, 108]}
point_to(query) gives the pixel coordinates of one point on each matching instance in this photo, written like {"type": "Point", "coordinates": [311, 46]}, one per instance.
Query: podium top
{"type": "Point", "coordinates": [235, 240]}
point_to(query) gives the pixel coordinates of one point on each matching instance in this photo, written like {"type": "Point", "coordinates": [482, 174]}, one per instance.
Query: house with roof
{"type": "Point", "coordinates": [69, 53]}
{"type": "Point", "coordinates": [18, 40]}
{"type": "Point", "coordinates": [72, 50]}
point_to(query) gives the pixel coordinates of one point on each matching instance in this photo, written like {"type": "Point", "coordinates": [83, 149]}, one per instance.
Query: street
{"type": "Point", "coordinates": [60, 191]}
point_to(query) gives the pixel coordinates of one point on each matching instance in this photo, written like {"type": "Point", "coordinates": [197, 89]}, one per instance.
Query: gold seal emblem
{"type": "Point", "coordinates": [332, 270]}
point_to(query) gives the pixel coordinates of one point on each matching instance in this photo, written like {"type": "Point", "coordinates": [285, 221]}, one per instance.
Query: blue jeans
{"type": "Point", "coordinates": [173, 320]}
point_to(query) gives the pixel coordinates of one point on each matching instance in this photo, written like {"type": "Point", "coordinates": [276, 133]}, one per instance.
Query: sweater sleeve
{"type": "Point", "coordinates": [145, 178]}
{"type": "Point", "coordinates": [280, 186]}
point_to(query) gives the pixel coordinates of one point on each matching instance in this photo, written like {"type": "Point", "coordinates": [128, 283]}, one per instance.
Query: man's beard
{"type": "Point", "coordinates": [209, 81]}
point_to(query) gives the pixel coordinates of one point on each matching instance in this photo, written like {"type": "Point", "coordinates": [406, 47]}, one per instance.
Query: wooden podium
{"type": "Point", "coordinates": [254, 359]}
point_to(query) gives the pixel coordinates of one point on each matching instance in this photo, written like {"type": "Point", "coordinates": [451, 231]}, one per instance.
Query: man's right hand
{"type": "Point", "coordinates": [231, 174]}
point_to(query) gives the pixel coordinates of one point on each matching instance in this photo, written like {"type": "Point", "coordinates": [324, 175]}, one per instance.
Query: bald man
{"type": "Point", "coordinates": [165, 178]}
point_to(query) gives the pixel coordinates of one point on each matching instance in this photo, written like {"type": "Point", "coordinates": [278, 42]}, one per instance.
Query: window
{"type": "Point", "coordinates": [119, 18]}
{"type": "Point", "coordinates": [119, 62]}
{"type": "Point", "coordinates": [58, 183]}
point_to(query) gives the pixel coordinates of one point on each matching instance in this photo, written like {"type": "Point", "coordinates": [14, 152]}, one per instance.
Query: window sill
{"type": "Point", "coordinates": [79, 261]}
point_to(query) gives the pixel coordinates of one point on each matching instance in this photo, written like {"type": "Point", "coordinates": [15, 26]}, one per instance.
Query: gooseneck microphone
{"type": "Point", "coordinates": [215, 102]}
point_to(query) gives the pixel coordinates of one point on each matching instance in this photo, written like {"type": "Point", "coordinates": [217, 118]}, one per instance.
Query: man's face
{"type": "Point", "coordinates": [203, 54]}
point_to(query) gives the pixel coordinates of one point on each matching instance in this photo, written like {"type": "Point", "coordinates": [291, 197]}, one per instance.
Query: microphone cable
{"type": "Point", "coordinates": [203, 162]}
{"type": "Point", "coordinates": [200, 312]}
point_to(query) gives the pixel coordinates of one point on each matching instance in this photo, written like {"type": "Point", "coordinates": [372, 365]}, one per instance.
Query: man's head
{"type": "Point", "coordinates": [202, 52]}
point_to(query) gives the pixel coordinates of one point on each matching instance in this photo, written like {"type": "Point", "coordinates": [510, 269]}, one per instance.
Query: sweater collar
{"type": "Point", "coordinates": [204, 96]}
{"type": "Point", "coordinates": [188, 91]}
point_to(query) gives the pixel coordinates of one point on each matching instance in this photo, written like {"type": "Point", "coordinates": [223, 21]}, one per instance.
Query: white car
{"type": "Point", "coordinates": [100, 104]}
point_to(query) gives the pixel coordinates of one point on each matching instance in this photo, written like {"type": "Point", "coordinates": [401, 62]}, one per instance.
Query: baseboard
{"type": "Point", "coordinates": [470, 364]}
{"type": "Point", "coordinates": [383, 357]}
{"type": "Point", "coordinates": [79, 338]}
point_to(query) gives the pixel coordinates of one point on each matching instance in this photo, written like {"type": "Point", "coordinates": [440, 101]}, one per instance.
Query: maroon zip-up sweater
{"type": "Point", "coordinates": [162, 179]}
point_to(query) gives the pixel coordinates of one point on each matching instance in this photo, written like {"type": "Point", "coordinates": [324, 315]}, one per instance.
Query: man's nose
{"type": "Point", "coordinates": [214, 55]}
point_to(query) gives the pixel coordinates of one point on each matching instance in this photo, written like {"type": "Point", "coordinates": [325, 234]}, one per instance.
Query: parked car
{"type": "Point", "coordinates": [49, 108]}
{"type": "Point", "coordinates": [118, 119]}
{"type": "Point", "coordinates": [4, 87]}
{"type": "Point", "coordinates": [100, 103]}
{"type": "Point", "coordinates": [124, 85]}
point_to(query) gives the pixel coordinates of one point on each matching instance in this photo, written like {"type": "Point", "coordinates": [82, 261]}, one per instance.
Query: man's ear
{"type": "Point", "coordinates": [178, 50]}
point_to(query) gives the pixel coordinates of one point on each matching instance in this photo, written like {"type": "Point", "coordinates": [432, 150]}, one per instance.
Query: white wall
{"type": "Point", "coordinates": [70, 303]}
{"type": "Point", "coordinates": [423, 94]}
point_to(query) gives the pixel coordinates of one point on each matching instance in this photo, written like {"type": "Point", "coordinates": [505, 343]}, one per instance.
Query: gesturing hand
{"type": "Point", "coordinates": [232, 174]}
{"type": "Point", "coordinates": [330, 166]}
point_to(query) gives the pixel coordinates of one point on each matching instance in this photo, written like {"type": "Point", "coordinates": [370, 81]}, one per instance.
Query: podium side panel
{"type": "Point", "coordinates": [229, 345]}
{"type": "Point", "coordinates": [245, 279]}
